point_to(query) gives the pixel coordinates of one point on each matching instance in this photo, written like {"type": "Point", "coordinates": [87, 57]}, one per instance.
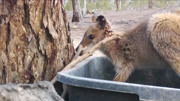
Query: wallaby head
{"type": "Point", "coordinates": [94, 34]}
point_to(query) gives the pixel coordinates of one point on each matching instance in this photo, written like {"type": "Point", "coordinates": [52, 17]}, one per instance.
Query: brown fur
{"type": "Point", "coordinates": [152, 43]}
{"type": "Point", "coordinates": [165, 37]}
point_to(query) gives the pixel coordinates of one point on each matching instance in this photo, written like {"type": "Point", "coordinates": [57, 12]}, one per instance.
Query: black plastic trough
{"type": "Point", "coordinates": [91, 80]}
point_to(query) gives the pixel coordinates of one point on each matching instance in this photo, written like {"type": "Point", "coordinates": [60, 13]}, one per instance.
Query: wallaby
{"type": "Point", "coordinates": [155, 42]}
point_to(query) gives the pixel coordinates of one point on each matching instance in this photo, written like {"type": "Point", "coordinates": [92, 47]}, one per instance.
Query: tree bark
{"type": "Point", "coordinates": [35, 40]}
{"type": "Point", "coordinates": [77, 14]}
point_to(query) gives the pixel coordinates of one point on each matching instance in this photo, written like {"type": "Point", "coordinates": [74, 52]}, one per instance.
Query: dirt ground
{"type": "Point", "coordinates": [121, 20]}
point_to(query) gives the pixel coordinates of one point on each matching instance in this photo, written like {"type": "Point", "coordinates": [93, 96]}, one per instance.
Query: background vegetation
{"type": "Point", "coordinates": [108, 5]}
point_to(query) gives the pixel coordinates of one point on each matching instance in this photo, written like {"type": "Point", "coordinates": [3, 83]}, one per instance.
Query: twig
{"type": "Point", "coordinates": [78, 52]}
{"type": "Point", "coordinates": [94, 48]}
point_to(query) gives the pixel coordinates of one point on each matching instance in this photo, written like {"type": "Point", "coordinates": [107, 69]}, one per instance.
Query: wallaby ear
{"type": "Point", "coordinates": [101, 20]}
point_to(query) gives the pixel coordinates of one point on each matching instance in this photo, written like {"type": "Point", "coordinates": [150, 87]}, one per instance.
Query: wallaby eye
{"type": "Point", "coordinates": [91, 36]}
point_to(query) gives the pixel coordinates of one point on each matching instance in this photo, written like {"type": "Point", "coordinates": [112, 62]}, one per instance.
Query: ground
{"type": "Point", "coordinates": [121, 20]}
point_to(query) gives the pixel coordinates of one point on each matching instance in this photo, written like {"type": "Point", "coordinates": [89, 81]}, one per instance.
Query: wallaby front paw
{"type": "Point", "coordinates": [119, 78]}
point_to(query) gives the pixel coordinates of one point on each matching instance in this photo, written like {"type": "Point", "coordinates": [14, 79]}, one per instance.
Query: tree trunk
{"type": "Point", "coordinates": [35, 40]}
{"type": "Point", "coordinates": [150, 2]}
{"type": "Point", "coordinates": [79, 6]}
{"type": "Point", "coordinates": [77, 14]}
{"type": "Point", "coordinates": [118, 4]}
{"type": "Point", "coordinates": [84, 7]}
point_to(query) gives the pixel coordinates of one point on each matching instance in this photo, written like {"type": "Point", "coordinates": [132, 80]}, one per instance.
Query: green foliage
{"type": "Point", "coordinates": [106, 5]}
{"type": "Point", "coordinates": [69, 5]}
{"type": "Point", "coordinates": [98, 4]}
{"type": "Point", "coordinates": [101, 4]}
{"type": "Point", "coordinates": [165, 3]}
{"type": "Point", "coordinates": [137, 4]}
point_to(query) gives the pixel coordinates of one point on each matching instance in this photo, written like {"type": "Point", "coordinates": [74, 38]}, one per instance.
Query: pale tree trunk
{"type": "Point", "coordinates": [84, 7]}
{"type": "Point", "coordinates": [118, 4]}
{"type": "Point", "coordinates": [79, 7]}
{"type": "Point", "coordinates": [150, 3]}
{"type": "Point", "coordinates": [35, 40]}
{"type": "Point", "coordinates": [77, 14]}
